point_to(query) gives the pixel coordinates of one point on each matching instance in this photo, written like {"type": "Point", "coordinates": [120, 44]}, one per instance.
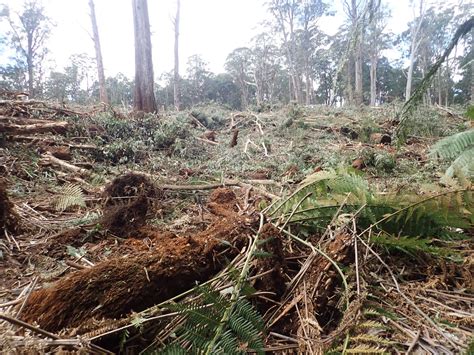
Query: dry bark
{"type": "Point", "coordinates": [144, 96]}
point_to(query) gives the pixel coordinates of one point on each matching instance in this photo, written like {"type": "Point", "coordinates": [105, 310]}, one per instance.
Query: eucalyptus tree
{"type": "Point", "coordinates": [144, 95]}
{"type": "Point", "coordinates": [198, 77]}
{"type": "Point", "coordinates": [239, 65]}
{"type": "Point", "coordinates": [98, 54]}
{"type": "Point", "coordinates": [29, 30]}
{"type": "Point", "coordinates": [176, 84]}
{"type": "Point", "coordinates": [266, 68]}
{"type": "Point", "coordinates": [377, 41]}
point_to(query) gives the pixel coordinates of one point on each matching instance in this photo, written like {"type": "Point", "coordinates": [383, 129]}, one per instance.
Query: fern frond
{"type": "Point", "coordinates": [410, 245]}
{"type": "Point", "coordinates": [366, 349]}
{"type": "Point", "coordinates": [463, 164]}
{"type": "Point", "coordinates": [451, 147]}
{"type": "Point", "coordinates": [243, 329]}
{"type": "Point", "coordinates": [371, 324]}
{"type": "Point", "coordinates": [371, 312]}
{"type": "Point", "coordinates": [70, 195]}
{"type": "Point", "coordinates": [367, 338]}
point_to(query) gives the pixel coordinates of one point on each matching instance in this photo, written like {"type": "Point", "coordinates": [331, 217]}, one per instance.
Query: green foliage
{"type": "Point", "coordinates": [131, 140]}
{"type": "Point", "coordinates": [406, 222]}
{"type": "Point", "coordinates": [470, 112]}
{"type": "Point", "coordinates": [70, 195]}
{"type": "Point", "coordinates": [242, 332]}
{"type": "Point", "coordinates": [367, 128]}
{"type": "Point", "coordinates": [410, 106]}
{"type": "Point", "coordinates": [211, 116]}
{"type": "Point", "coordinates": [384, 161]}
{"type": "Point", "coordinates": [458, 148]}
{"type": "Point", "coordinates": [125, 151]}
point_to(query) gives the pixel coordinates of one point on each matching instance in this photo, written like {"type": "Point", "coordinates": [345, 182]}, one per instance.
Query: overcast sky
{"type": "Point", "coordinates": [211, 28]}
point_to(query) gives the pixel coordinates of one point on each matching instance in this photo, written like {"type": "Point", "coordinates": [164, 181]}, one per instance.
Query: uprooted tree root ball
{"type": "Point", "coordinates": [124, 219]}
{"type": "Point", "coordinates": [116, 287]}
{"type": "Point", "coordinates": [130, 185]}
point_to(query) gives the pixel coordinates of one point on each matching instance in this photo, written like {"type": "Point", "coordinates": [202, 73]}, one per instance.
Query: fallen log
{"type": "Point", "coordinates": [59, 127]}
{"type": "Point", "coordinates": [35, 140]}
{"type": "Point", "coordinates": [49, 158]}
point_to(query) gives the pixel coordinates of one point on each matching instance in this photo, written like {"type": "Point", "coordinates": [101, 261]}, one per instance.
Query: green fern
{"type": "Point", "coordinates": [451, 147]}
{"type": "Point", "coordinates": [70, 195]}
{"type": "Point", "coordinates": [458, 148]}
{"type": "Point", "coordinates": [242, 332]}
{"type": "Point", "coordinates": [407, 222]}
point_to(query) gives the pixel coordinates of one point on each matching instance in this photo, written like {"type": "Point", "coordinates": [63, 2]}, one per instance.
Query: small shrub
{"type": "Point", "coordinates": [211, 116]}
{"type": "Point", "coordinates": [384, 162]}
{"type": "Point", "coordinates": [367, 128]}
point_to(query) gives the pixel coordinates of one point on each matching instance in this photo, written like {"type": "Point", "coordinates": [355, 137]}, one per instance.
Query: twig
{"type": "Point", "coordinates": [30, 290]}
{"type": "Point", "coordinates": [206, 141]}
{"type": "Point", "coordinates": [414, 341]}
{"type": "Point", "coordinates": [409, 301]}
{"type": "Point", "coordinates": [45, 333]}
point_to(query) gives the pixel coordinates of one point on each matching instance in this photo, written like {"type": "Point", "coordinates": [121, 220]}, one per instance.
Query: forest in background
{"type": "Point", "coordinates": [292, 60]}
{"type": "Point", "coordinates": [294, 204]}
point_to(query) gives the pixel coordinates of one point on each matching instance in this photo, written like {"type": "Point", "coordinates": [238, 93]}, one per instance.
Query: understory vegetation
{"type": "Point", "coordinates": [314, 236]}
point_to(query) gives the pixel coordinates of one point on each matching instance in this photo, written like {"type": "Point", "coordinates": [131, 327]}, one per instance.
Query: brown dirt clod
{"type": "Point", "coordinates": [124, 219]}
{"type": "Point", "coordinates": [222, 202]}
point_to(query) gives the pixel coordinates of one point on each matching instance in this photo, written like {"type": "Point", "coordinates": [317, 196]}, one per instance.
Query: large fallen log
{"type": "Point", "coordinates": [55, 127]}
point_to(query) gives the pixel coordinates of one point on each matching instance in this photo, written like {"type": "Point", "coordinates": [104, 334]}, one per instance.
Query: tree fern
{"type": "Point", "coordinates": [242, 332]}
{"type": "Point", "coordinates": [70, 195]}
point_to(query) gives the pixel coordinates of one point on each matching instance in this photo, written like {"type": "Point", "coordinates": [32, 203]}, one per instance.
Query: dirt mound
{"type": "Point", "coordinates": [129, 185]}
{"type": "Point", "coordinates": [124, 219]}
{"type": "Point", "coordinates": [223, 202]}
{"type": "Point", "coordinates": [8, 217]}
{"type": "Point", "coordinates": [170, 265]}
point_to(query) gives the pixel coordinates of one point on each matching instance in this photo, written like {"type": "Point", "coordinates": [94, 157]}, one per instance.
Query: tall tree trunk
{"type": "Point", "coordinates": [440, 102]}
{"type": "Point", "coordinates": [144, 96]}
{"type": "Point", "coordinates": [29, 63]}
{"type": "Point", "coordinates": [472, 84]}
{"type": "Point", "coordinates": [308, 87]}
{"type": "Point", "coordinates": [415, 31]}
{"type": "Point", "coordinates": [98, 56]}
{"type": "Point", "coordinates": [373, 80]}
{"type": "Point", "coordinates": [358, 90]}
{"type": "Point", "coordinates": [177, 79]}
{"type": "Point", "coordinates": [349, 90]}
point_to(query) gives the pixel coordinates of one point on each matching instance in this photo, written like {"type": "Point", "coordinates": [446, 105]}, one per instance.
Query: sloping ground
{"type": "Point", "coordinates": [91, 250]}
